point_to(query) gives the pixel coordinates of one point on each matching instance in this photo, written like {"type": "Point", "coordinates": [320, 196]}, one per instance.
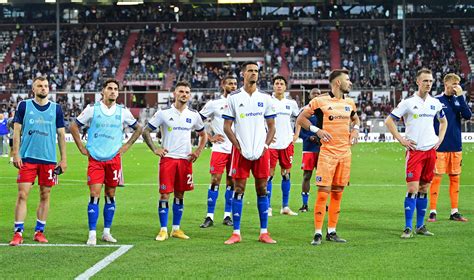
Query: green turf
{"type": "Point", "coordinates": [371, 220]}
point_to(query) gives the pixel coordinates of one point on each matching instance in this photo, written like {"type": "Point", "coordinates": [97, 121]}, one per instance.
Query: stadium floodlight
{"type": "Point", "coordinates": [129, 2]}
{"type": "Point", "coordinates": [50, 1]}
{"type": "Point", "coordinates": [76, 1]}
{"type": "Point", "coordinates": [3, 1]}
{"type": "Point", "coordinates": [235, 1]}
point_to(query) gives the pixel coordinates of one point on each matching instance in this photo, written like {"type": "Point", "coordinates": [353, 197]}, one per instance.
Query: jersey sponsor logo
{"type": "Point", "coordinates": [40, 121]}
{"type": "Point", "coordinates": [40, 133]}
{"type": "Point", "coordinates": [251, 114]}
{"type": "Point", "coordinates": [111, 125]}
{"type": "Point", "coordinates": [188, 120]}
{"type": "Point", "coordinates": [331, 117]}
{"type": "Point", "coordinates": [417, 116]}
{"type": "Point", "coordinates": [260, 104]}
{"type": "Point", "coordinates": [97, 135]}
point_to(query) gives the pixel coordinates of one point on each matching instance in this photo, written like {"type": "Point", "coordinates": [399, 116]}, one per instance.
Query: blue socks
{"type": "Point", "coordinates": [262, 204]}
{"type": "Point", "coordinates": [237, 209]}
{"type": "Point", "coordinates": [285, 190]}
{"type": "Point", "coordinates": [305, 196]}
{"type": "Point", "coordinates": [163, 213]}
{"type": "Point", "coordinates": [410, 205]}
{"type": "Point", "coordinates": [212, 195]}
{"type": "Point", "coordinates": [40, 226]}
{"type": "Point", "coordinates": [177, 211]}
{"type": "Point", "coordinates": [229, 191]}
{"type": "Point", "coordinates": [19, 227]}
{"type": "Point", "coordinates": [421, 204]}
{"type": "Point", "coordinates": [269, 191]}
{"type": "Point", "coordinates": [93, 212]}
{"type": "Point", "coordinates": [109, 211]}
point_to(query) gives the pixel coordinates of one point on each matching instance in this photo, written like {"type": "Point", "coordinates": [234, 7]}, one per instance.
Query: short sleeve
{"type": "Point", "coordinates": [198, 124]}
{"type": "Point", "coordinates": [206, 111]}
{"type": "Point", "coordinates": [312, 106]}
{"type": "Point", "coordinates": [400, 110]}
{"type": "Point", "coordinates": [20, 112]}
{"type": "Point", "coordinates": [128, 118]}
{"type": "Point", "coordinates": [270, 111]}
{"type": "Point", "coordinates": [295, 109]}
{"type": "Point", "coordinates": [229, 113]}
{"type": "Point", "coordinates": [59, 117]}
{"type": "Point", "coordinates": [86, 116]}
{"type": "Point", "coordinates": [156, 120]}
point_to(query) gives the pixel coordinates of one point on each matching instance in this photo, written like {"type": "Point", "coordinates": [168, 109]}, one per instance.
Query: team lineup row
{"type": "Point", "coordinates": [251, 132]}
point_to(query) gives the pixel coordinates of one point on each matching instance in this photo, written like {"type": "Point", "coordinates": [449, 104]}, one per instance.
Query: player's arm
{"type": "Point", "coordinates": [202, 143]}
{"type": "Point", "coordinates": [17, 162]}
{"type": "Point", "coordinates": [354, 138]}
{"type": "Point", "coordinates": [74, 128]}
{"type": "Point", "coordinates": [138, 131]}
{"type": "Point", "coordinates": [303, 120]}
{"type": "Point", "coordinates": [230, 133]}
{"type": "Point", "coordinates": [392, 127]}
{"type": "Point", "coordinates": [270, 132]}
{"type": "Point", "coordinates": [62, 148]}
{"type": "Point", "coordinates": [443, 125]}
{"type": "Point", "coordinates": [463, 107]}
{"type": "Point", "coordinates": [295, 113]}
{"type": "Point", "coordinates": [149, 142]}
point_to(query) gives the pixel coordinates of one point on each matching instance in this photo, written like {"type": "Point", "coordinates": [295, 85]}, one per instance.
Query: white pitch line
{"type": "Point", "coordinates": [122, 249]}
{"type": "Point", "coordinates": [104, 262]}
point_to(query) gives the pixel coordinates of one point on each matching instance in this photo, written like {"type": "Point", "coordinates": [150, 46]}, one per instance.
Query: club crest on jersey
{"type": "Point", "coordinates": [188, 120]}
{"type": "Point", "coordinates": [288, 107]}
{"type": "Point", "coordinates": [260, 104]}
{"type": "Point", "coordinates": [319, 179]}
{"type": "Point", "coordinates": [433, 107]}
{"type": "Point", "coordinates": [347, 108]}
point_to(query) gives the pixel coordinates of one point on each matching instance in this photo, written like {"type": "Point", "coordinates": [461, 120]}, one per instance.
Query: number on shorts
{"type": "Point", "coordinates": [50, 174]}
{"type": "Point", "coordinates": [291, 159]}
{"type": "Point", "coordinates": [115, 175]}
{"type": "Point", "coordinates": [190, 179]}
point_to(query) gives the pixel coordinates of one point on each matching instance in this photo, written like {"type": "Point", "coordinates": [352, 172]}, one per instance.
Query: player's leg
{"type": "Point", "coordinates": [273, 162]}
{"type": "Point", "coordinates": [414, 167]}
{"type": "Point", "coordinates": [440, 169]}
{"type": "Point", "coordinates": [305, 188]}
{"type": "Point", "coordinates": [42, 214]}
{"type": "Point", "coordinates": [240, 171]}
{"type": "Point", "coordinates": [113, 176]}
{"type": "Point", "coordinates": [285, 157]}
{"type": "Point", "coordinates": [229, 192]}
{"type": "Point", "coordinates": [168, 169]}
{"type": "Point", "coordinates": [426, 177]}
{"type": "Point", "coordinates": [212, 195]}
{"type": "Point", "coordinates": [93, 212]}
{"type": "Point", "coordinates": [454, 171]}
{"type": "Point", "coordinates": [109, 213]}
{"type": "Point", "coordinates": [20, 211]}
{"type": "Point", "coordinates": [183, 183]}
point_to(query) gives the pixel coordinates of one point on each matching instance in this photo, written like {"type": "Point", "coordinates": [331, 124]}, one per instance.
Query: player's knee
{"type": "Point", "coordinates": [337, 189]}
{"type": "Point", "coordinates": [285, 176]}
{"type": "Point", "coordinates": [307, 176]}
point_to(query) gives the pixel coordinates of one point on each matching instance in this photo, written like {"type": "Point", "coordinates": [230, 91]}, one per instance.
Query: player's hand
{"type": "Point", "coordinates": [84, 151]}
{"type": "Point", "coordinates": [17, 162]}
{"type": "Point", "coordinates": [63, 165]}
{"type": "Point", "coordinates": [124, 148]}
{"type": "Point", "coordinates": [437, 145]}
{"type": "Point", "coordinates": [274, 140]}
{"type": "Point", "coordinates": [264, 151]}
{"type": "Point", "coordinates": [407, 143]}
{"type": "Point", "coordinates": [194, 155]}
{"type": "Point", "coordinates": [218, 138]}
{"type": "Point", "coordinates": [161, 152]}
{"type": "Point", "coordinates": [324, 135]}
{"type": "Point", "coordinates": [354, 136]}
{"type": "Point", "coordinates": [457, 90]}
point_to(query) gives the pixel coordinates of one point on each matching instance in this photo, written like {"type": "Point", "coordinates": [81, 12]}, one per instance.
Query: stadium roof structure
{"type": "Point", "coordinates": [272, 2]}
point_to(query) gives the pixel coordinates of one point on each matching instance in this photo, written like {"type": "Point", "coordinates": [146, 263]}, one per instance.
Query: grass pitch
{"type": "Point", "coordinates": [371, 220]}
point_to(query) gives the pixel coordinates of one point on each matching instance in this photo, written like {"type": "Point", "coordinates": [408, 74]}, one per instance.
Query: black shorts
{"type": "Point", "coordinates": [10, 142]}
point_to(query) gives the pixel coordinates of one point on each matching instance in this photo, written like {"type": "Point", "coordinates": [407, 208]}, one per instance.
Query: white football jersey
{"type": "Point", "coordinates": [249, 113]}
{"type": "Point", "coordinates": [285, 109]}
{"type": "Point", "coordinates": [418, 115]}
{"type": "Point", "coordinates": [176, 130]}
{"type": "Point", "coordinates": [213, 110]}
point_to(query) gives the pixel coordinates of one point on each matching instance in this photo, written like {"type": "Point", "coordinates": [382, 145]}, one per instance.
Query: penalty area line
{"type": "Point", "coordinates": [121, 249]}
